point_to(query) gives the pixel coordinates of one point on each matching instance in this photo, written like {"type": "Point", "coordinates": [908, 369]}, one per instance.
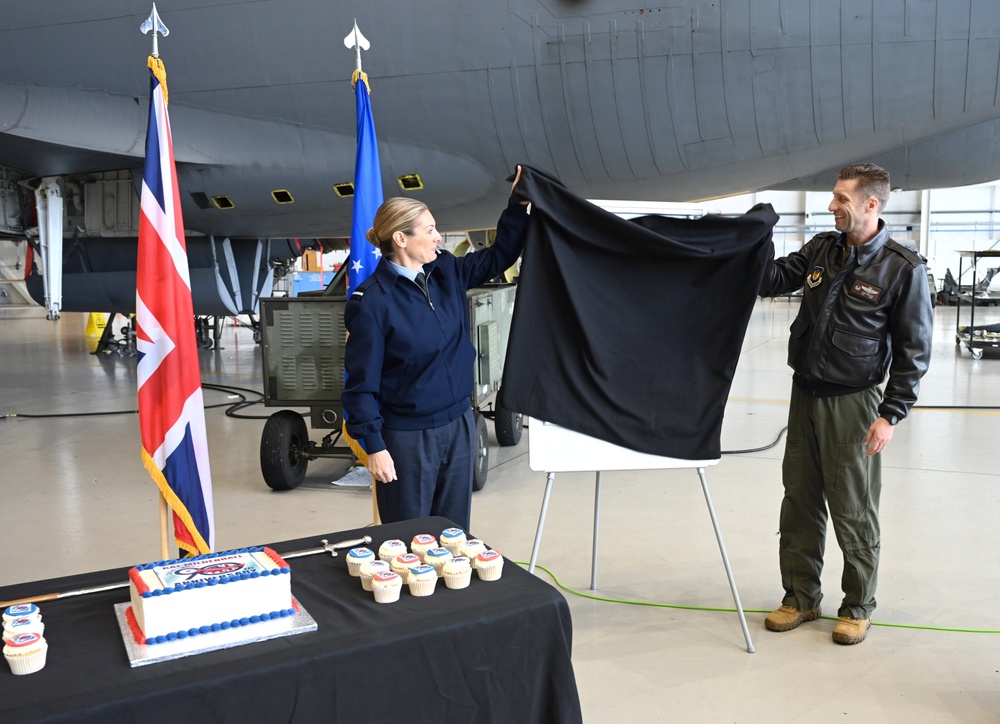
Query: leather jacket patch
{"type": "Point", "coordinates": [815, 277]}
{"type": "Point", "coordinates": [866, 291]}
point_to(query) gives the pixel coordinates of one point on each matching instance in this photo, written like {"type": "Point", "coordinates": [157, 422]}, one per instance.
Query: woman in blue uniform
{"type": "Point", "coordinates": [409, 360]}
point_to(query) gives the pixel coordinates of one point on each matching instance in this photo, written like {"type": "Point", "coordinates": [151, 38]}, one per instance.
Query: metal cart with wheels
{"type": "Point", "coordinates": [978, 340]}
{"type": "Point", "coordinates": [302, 345]}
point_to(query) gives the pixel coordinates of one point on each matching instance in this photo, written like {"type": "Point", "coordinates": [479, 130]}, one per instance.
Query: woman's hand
{"type": "Point", "coordinates": [517, 177]}
{"type": "Point", "coordinates": [380, 465]}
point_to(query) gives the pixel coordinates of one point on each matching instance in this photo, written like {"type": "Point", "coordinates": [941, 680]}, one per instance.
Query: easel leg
{"type": "Point", "coordinates": [550, 478]}
{"type": "Point", "coordinates": [725, 560]}
{"type": "Point", "coordinates": [597, 517]}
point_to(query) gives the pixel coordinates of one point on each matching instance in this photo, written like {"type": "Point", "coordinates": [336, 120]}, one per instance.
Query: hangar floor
{"type": "Point", "coordinates": [75, 497]}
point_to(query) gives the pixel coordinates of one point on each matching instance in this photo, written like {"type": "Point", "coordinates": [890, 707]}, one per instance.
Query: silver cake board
{"type": "Point", "coordinates": [141, 654]}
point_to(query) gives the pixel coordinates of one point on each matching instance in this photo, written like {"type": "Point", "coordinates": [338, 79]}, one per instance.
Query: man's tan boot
{"type": "Point", "coordinates": [788, 617]}
{"type": "Point", "coordinates": [849, 630]}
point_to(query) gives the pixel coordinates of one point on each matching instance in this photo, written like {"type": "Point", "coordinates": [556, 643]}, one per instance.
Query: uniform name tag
{"type": "Point", "coordinates": [868, 292]}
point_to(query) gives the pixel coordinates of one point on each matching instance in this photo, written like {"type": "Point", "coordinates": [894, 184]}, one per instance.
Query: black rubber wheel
{"type": "Point", "coordinates": [481, 454]}
{"type": "Point", "coordinates": [508, 426]}
{"type": "Point", "coordinates": [281, 450]}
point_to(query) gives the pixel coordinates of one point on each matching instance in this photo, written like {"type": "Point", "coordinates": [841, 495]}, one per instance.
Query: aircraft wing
{"type": "Point", "coordinates": [667, 103]}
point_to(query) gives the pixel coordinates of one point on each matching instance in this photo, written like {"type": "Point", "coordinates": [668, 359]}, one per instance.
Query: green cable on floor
{"type": "Point", "coordinates": [733, 610]}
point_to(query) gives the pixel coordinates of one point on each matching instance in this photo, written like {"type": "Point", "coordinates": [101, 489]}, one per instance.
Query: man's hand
{"type": "Point", "coordinates": [380, 465]}
{"type": "Point", "coordinates": [879, 435]}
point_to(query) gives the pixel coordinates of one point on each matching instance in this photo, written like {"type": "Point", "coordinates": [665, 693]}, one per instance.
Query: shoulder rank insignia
{"type": "Point", "coordinates": [815, 277]}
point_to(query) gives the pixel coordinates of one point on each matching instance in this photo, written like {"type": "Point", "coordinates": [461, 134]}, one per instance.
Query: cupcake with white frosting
{"type": "Point", "coordinates": [453, 539]}
{"type": "Point", "coordinates": [386, 585]}
{"type": "Point", "coordinates": [369, 569]}
{"type": "Point", "coordinates": [25, 653]}
{"type": "Point", "coordinates": [457, 572]}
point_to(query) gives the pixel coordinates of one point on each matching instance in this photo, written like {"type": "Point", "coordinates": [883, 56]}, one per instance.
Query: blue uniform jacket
{"type": "Point", "coordinates": [409, 359]}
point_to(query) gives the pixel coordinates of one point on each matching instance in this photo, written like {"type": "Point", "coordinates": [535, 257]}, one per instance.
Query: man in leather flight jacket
{"type": "Point", "coordinates": [865, 313]}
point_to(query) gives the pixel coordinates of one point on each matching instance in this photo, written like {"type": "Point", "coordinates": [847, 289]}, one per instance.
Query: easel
{"type": "Point", "coordinates": [555, 449]}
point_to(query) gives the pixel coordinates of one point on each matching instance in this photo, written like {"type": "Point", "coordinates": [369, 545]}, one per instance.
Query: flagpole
{"type": "Point", "coordinates": [154, 25]}
{"type": "Point", "coordinates": [364, 212]}
{"type": "Point", "coordinates": [164, 530]}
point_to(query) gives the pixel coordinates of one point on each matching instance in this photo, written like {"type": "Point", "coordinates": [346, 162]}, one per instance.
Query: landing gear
{"type": "Point", "coordinates": [208, 331]}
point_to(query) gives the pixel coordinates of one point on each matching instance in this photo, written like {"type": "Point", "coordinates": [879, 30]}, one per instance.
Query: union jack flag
{"type": "Point", "coordinates": [171, 406]}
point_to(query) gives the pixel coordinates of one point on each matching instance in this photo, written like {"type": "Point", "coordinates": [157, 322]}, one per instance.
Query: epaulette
{"type": "Point", "coordinates": [363, 286]}
{"type": "Point", "coordinates": [911, 256]}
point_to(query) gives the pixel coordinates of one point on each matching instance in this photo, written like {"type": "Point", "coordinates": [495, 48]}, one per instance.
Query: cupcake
{"type": "Point", "coordinates": [25, 653]}
{"type": "Point", "coordinates": [422, 580]}
{"type": "Point", "coordinates": [357, 557]}
{"type": "Point", "coordinates": [403, 563]}
{"type": "Point", "coordinates": [22, 610]}
{"type": "Point", "coordinates": [489, 565]}
{"type": "Point", "coordinates": [386, 585]}
{"type": "Point", "coordinates": [453, 539]}
{"type": "Point", "coordinates": [472, 548]}
{"type": "Point", "coordinates": [390, 549]}
{"type": "Point", "coordinates": [437, 558]}
{"type": "Point", "coordinates": [457, 572]}
{"type": "Point", "coordinates": [369, 569]}
{"type": "Point", "coordinates": [422, 543]}
{"type": "Point", "coordinates": [24, 624]}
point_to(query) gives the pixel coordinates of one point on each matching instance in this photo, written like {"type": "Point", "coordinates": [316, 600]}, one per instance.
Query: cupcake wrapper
{"type": "Point", "coordinates": [457, 580]}
{"type": "Point", "coordinates": [366, 582]}
{"type": "Point", "coordinates": [28, 663]}
{"type": "Point", "coordinates": [422, 588]}
{"type": "Point", "coordinates": [489, 573]}
{"type": "Point", "coordinates": [387, 595]}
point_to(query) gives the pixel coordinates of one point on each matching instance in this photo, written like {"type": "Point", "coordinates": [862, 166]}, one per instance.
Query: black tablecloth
{"type": "Point", "coordinates": [493, 652]}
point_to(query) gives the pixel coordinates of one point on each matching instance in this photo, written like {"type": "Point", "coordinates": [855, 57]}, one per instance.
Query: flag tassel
{"type": "Point", "coordinates": [157, 68]}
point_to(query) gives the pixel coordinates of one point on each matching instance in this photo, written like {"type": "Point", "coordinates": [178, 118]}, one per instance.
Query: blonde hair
{"type": "Point", "coordinates": [400, 213]}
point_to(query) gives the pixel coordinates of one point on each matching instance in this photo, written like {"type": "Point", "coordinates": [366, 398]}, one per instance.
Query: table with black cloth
{"type": "Point", "coordinates": [493, 652]}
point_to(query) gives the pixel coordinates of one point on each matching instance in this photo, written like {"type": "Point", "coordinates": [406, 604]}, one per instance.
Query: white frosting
{"type": "Point", "coordinates": [182, 610]}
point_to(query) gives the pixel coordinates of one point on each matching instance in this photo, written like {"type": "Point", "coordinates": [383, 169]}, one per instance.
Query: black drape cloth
{"type": "Point", "coordinates": [494, 652]}
{"type": "Point", "coordinates": [629, 330]}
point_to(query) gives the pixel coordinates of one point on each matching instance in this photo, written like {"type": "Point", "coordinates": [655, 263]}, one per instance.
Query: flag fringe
{"type": "Point", "coordinates": [355, 446]}
{"type": "Point", "coordinates": [354, 79]}
{"type": "Point", "coordinates": [177, 506]}
{"type": "Point", "coordinates": [159, 70]}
